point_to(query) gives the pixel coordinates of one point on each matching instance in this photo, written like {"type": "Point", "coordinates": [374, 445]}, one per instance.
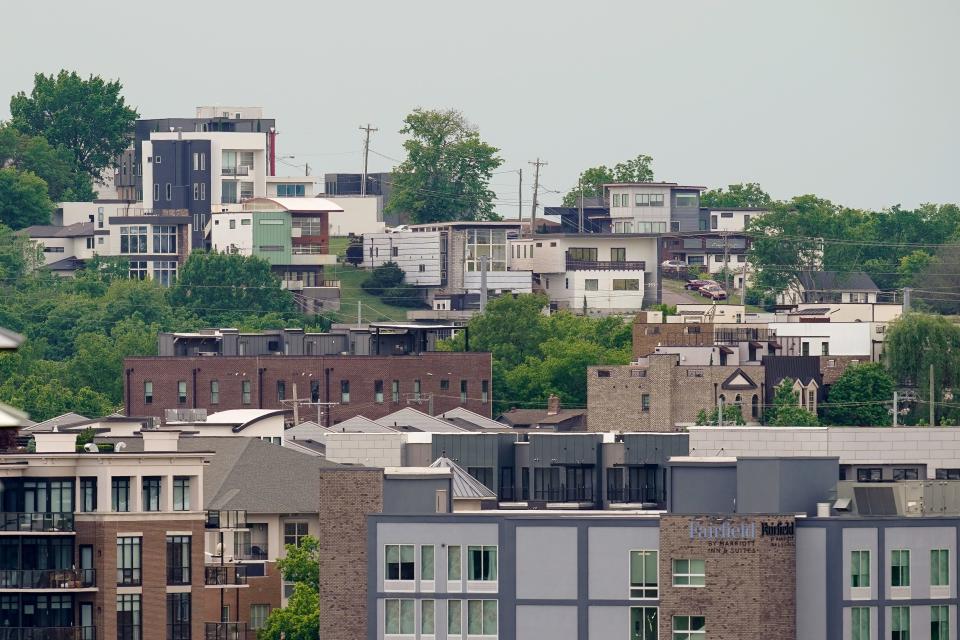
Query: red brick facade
{"type": "Point", "coordinates": [265, 589]}
{"type": "Point", "coordinates": [440, 374]}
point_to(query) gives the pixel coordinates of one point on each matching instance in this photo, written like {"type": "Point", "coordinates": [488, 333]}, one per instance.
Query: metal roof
{"type": "Point", "coordinates": [465, 486]}
{"type": "Point", "coordinates": [310, 205]}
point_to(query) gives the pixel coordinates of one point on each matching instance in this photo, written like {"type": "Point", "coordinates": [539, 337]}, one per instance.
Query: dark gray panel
{"type": "Point", "coordinates": [703, 489]}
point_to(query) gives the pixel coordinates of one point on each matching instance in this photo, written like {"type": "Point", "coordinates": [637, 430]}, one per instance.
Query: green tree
{"type": "Point", "coordinates": [302, 563]}
{"type": "Point", "coordinates": [447, 172]}
{"type": "Point", "coordinates": [56, 166]}
{"type": "Point", "coordinates": [736, 195]}
{"type": "Point", "coordinates": [860, 396]}
{"type": "Point", "coordinates": [23, 199]}
{"type": "Point", "coordinates": [386, 276]}
{"type": "Point", "coordinates": [87, 116]}
{"type": "Point", "coordinates": [917, 342]}
{"type": "Point", "coordinates": [638, 169]}
{"type": "Point", "coordinates": [511, 329]}
{"type": "Point", "coordinates": [299, 620]}
{"type": "Point", "coordinates": [786, 410]}
{"type": "Point", "coordinates": [731, 416]}
{"type": "Point", "coordinates": [19, 255]}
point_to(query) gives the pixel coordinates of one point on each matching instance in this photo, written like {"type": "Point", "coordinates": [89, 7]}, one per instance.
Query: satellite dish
{"type": "Point", "coordinates": [91, 448]}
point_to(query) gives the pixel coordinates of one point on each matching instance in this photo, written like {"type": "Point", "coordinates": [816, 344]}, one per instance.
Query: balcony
{"type": "Point", "coordinates": [627, 494]}
{"type": "Point", "coordinates": [563, 493]}
{"type": "Point", "coordinates": [225, 576]}
{"type": "Point", "coordinates": [236, 519]}
{"type": "Point", "coordinates": [48, 579]}
{"type": "Point", "coordinates": [235, 171]}
{"type": "Point", "coordinates": [251, 551]}
{"type": "Point", "coordinates": [611, 265]}
{"type": "Point", "coordinates": [733, 336]}
{"type": "Point", "coordinates": [48, 633]}
{"type": "Point", "coordinates": [223, 631]}
{"type": "Point", "coordinates": [36, 522]}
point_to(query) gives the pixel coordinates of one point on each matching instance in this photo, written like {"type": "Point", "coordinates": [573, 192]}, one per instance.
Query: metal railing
{"type": "Point", "coordinates": [225, 630]}
{"type": "Point", "coordinates": [308, 249]}
{"type": "Point", "coordinates": [225, 575]}
{"type": "Point", "coordinates": [48, 522]}
{"type": "Point", "coordinates": [634, 494]}
{"type": "Point", "coordinates": [48, 633]}
{"type": "Point", "coordinates": [235, 171]}
{"type": "Point", "coordinates": [48, 578]}
{"type": "Point", "coordinates": [733, 336]}
{"type": "Point", "coordinates": [231, 519]}
{"type": "Point", "coordinates": [563, 493]}
{"type": "Point", "coordinates": [602, 265]}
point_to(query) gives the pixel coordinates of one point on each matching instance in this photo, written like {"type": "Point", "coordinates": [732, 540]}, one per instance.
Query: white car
{"type": "Point", "coordinates": [673, 264]}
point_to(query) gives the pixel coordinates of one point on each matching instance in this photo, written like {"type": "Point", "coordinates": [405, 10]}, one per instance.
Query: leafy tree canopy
{"type": "Point", "coordinates": [786, 410]}
{"type": "Point", "coordinates": [860, 396]}
{"type": "Point", "coordinates": [638, 169]}
{"type": "Point", "coordinates": [731, 416]}
{"type": "Point", "coordinates": [55, 165]}
{"type": "Point", "coordinates": [736, 195]}
{"type": "Point", "coordinates": [23, 199]}
{"type": "Point", "coordinates": [299, 620]}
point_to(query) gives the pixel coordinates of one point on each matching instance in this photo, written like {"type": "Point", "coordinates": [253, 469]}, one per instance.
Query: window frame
{"type": "Point", "coordinates": [129, 548]}
{"type": "Point", "coordinates": [898, 567]}
{"type": "Point", "coordinates": [644, 590]}
{"type": "Point", "coordinates": [688, 578]}
{"type": "Point", "coordinates": [861, 576]}
{"type": "Point", "coordinates": [687, 632]}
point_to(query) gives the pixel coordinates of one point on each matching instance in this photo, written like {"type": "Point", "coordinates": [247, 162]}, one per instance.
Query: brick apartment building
{"type": "Point", "coordinates": [372, 386]}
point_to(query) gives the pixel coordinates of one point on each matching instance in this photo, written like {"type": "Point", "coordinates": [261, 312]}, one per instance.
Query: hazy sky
{"type": "Point", "coordinates": [857, 101]}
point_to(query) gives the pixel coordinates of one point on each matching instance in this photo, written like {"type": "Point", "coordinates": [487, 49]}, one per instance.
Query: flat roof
{"type": "Point", "coordinates": [672, 185]}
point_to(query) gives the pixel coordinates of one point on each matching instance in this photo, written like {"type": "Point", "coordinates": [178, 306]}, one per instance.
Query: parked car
{"type": "Point", "coordinates": [675, 265]}
{"type": "Point", "coordinates": [714, 292]}
{"type": "Point", "coordinates": [694, 285]}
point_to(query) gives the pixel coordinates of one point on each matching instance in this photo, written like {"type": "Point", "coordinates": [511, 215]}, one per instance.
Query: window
{"type": "Point", "coordinates": [181, 493]}
{"type": "Point", "coordinates": [616, 199]}
{"type": "Point", "coordinates": [900, 568]}
{"type": "Point", "coordinates": [128, 561]}
{"type": "Point", "coordinates": [168, 191]}
{"type": "Point", "coordinates": [824, 348]}
{"type": "Point", "coordinates": [246, 190]}
{"type": "Point", "coordinates": [138, 269]}
{"type": "Point", "coordinates": [859, 568]}
{"type": "Point", "coordinates": [291, 190]}
{"type": "Point", "coordinates": [156, 192]}
{"type": "Point", "coordinates": [689, 573]}
{"type": "Point", "coordinates": [129, 623]}
{"type": "Point", "coordinates": [618, 254]}
{"type": "Point", "coordinates": [428, 617]}
{"type": "Point", "coordinates": [400, 561]}
{"type": "Point", "coordinates": [939, 567]}
{"type": "Point", "coordinates": [481, 617]}
{"type": "Point", "coordinates": [164, 238]}
{"type": "Point", "coordinates": [157, 159]}
{"type": "Point", "coordinates": [178, 616]}
{"type": "Point", "coordinates": [582, 254]}
{"type": "Point", "coordinates": [871, 474]}
{"type": "Point", "coordinates": [644, 574]}
{"type": "Point", "coordinates": [281, 390]}
{"type": "Point", "coordinates": [686, 200]}
{"type": "Point", "coordinates": [486, 243]}
{"type": "Point", "coordinates": [245, 392]}
{"type": "Point", "coordinates": [899, 623]}
{"type": "Point", "coordinates": [120, 493]}
{"type": "Point", "coordinates": [214, 392]}
{"type": "Point", "coordinates": [805, 348]}
{"type": "Point", "coordinates": [416, 389]}
{"type": "Point", "coordinates": [860, 623]}
{"type": "Point", "coordinates": [631, 284]}
{"type": "Point", "coordinates": [453, 563]}
{"type": "Point", "coordinates": [399, 616]}
{"type": "Point", "coordinates": [939, 622]}
{"type": "Point", "coordinates": [165, 272]}
{"type": "Point", "coordinates": [454, 617]}
{"type": "Point", "coordinates": [344, 392]}
{"type": "Point", "coordinates": [463, 391]}
{"type": "Point", "coordinates": [203, 190]}
{"type": "Point", "coordinates": [948, 474]}
{"type": "Point", "coordinates": [484, 391]}
{"type": "Point", "coordinates": [90, 243]}
{"type": "Point", "coordinates": [309, 226]}
{"type": "Point", "coordinates": [426, 562]}
{"type": "Point", "coordinates": [482, 563]}
{"type": "Point", "coordinates": [151, 493]}
{"type": "Point", "coordinates": [649, 200]}
{"type": "Point", "coordinates": [906, 474]}
{"type": "Point", "coordinates": [88, 494]}
{"type": "Point", "coordinates": [133, 239]}
{"type": "Point", "coordinates": [643, 623]}
{"type": "Point", "coordinates": [591, 284]}
{"type": "Point", "coordinates": [395, 391]}
{"type": "Point", "coordinates": [689, 628]}
{"type": "Point", "coordinates": [148, 392]}
{"type": "Point", "coordinates": [645, 402]}
{"type": "Point", "coordinates": [178, 559]}
{"type": "Point", "coordinates": [196, 161]}
{"type": "Point", "coordinates": [228, 195]}
{"type": "Point", "coordinates": [294, 532]}
{"type": "Point", "coordinates": [378, 391]}
{"type": "Point", "coordinates": [258, 615]}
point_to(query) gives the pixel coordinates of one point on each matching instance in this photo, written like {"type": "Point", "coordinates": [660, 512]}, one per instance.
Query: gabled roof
{"type": "Point", "coordinates": [465, 486]}
{"type": "Point", "coordinates": [738, 380]}
{"type": "Point", "coordinates": [76, 230]}
{"type": "Point", "coordinates": [836, 281]}
{"type": "Point", "coordinates": [359, 424]}
{"type": "Point", "coordinates": [10, 417]}
{"type": "Point", "coordinates": [472, 417]}
{"type": "Point", "coordinates": [67, 264]}
{"type": "Point", "coordinates": [806, 369]}
{"type": "Point", "coordinates": [10, 339]}
{"type": "Point", "coordinates": [63, 420]}
{"type": "Point", "coordinates": [524, 417]}
{"type": "Point", "coordinates": [306, 430]}
{"type": "Point", "coordinates": [410, 417]}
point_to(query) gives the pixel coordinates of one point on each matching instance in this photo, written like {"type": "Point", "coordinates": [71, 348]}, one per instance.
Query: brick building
{"type": "Point", "coordinates": [372, 386]}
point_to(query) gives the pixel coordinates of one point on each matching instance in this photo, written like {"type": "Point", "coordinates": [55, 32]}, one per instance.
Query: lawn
{"type": "Point", "coordinates": [734, 297]}
{"type": "Point", "coordinates": [372, 308]}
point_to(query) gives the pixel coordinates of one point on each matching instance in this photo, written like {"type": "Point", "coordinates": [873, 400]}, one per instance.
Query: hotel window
{"type": "Point", "coordinates": [400, 561]}
{"type": "Point", "coordinates": [120, 494]}
{"type": "Point", "coordinates": [591, 284]}
{"type": "Point", "coordinates": [689, 573]}
{"type": "Point", "coordinates": [399, 617]}
{"type": "Point", "coordinates": [428, 617]}
{"type": "Point", "coordinates": [939, 622]}
{"type": "Point", "coordinates": [859, 569]}
{"type": "Point", "coordinates": [618, 254]}
{"type": "Point", "coordinates": [178, 616]}
{"type": "Point", "coordinates": [860, 623]}
{"type": "Point", "coordinates": [900, 568]}
{"type": "Point", "coordinates": [643, 623]}
{"type": "Point", "coordinates": [178, 559]}
{"type": "Point", "coordinates": [258, 615]}
{"type": "Point", "coordinates": [481, 617]}
{"type": "Point", "coordinates": [645, 402]}
{"type": "Point", "coordinates": [939, 567]}
{"type": "Point", "coordinates": [245, 392]}
{"type": "Point", "coordinates": [453, 563]}
{"type": "Point", "coordinates": [181, 391]}
{"type": "Point", "coordinates": [128, 561]}
{"type": "Point", "coordinates": [294, 532]}
{"type": "Point", "coordinates": [582, 254]}
{"type": "Point", "coordinates": [344, 392]}
{"type": "Point", "coordinates": [395, 391]}
{"type": "Point", "coordinates": [899, 623]}
{"type": "Point", "coordinates": [148, 392]}
{"type": "Point", "coordinates": [88, 494]}
{"type": "Point", "coordinates": [378, 391]}
{"type": "Point", "coordinates": [454, 618]}
{"type": "Point", "coordinates": [484, 391]}
{"type": "Point", "coordinates": [689, 628]}
{"type": "Point", "coordinates": [133, 239]}
{"type": "Point", "coordinates": [164, 238]}
{"type": "Point", "coordinates": [482, 563]}
{"type": "Point", "coordinates": [214, 392]}
{"type": "Point", "coordinates": [463, 391]}
{"type": "Point", "coordinates": [129, 623]}
{"type": "Point", "coordinates": [644, 574]}
{"type": "Point", "coordinates": [870, 474]}
{"type": "Point", "coordinates": [151, 493]}
{"type": "Point", "coordinates": [181, 493]}
{"type": "Point", "coordinates": [426, 562]}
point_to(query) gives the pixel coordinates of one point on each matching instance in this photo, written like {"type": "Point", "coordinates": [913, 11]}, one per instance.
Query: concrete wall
{"type": "Point", "coordinates": [361, 215]}
{"type": "Point", "coordinates": [368, 449]}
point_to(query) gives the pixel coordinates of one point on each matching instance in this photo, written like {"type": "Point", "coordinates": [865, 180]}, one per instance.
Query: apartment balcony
{"type": "Point", "coordinates": [256, 551]}
{"type": "Point", "coordinates": [48, 633]}
{"type": "Point", "coordinates": [565, 493]}
{"type": "Point", "coordinates": [48, 579]}
{"type": "Point", "coordinates": [224, 631]}
{"type": "Point", "coordinates": [611, 265]}
{"type": "Point", "coordinates": [225, 576]}
{"type": "Point", "coordinates": [235, 171]}
{"type": "Point", "coordinates": [235, 519]}
{"type": "Point", "coordinates": [634, 495]}
{"type": "Point", "coordinates": [12, 522]}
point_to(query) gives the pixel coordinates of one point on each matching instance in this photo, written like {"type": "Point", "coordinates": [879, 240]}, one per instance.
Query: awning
{"type": "Point", "coordinates": [724, 349]}
{"type": "Point", "coordinates": [775, 344]}
{"type": "Point", "coordinates": [756, 345]}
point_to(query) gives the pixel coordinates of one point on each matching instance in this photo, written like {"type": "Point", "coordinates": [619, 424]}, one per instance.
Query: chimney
{"type": "Point", "coordinates": [55, 442]}
{"type": "Point", "coordinates": [160, 440]}
{"type": "Point", "coordinates": [553, 405]}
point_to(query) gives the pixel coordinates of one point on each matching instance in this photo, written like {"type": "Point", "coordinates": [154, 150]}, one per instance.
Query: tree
{"type": "Point", "coordinates": [447, 172]}
{"type": "Point", "coordinates": [916, 342]}
{"type": "Point", "coordinates": [732, 416]}
{"type": "Point", "coordinates": [511, 329]}
{"type": "Point", "coordinates": [786, 410]}
{"type": "Point", "coordinates": [19, 254]}
{"type": "Point", "coordinates": [23, 199]}
{"type": "Point", "coordinates": [302, 563]}
{"type": "Point", "coordinates": [56, 166]}
{"type": "Point", "coordinates": [88, 117]}
{"type": "Point", "coordinates": [300, 619]}
{"type": "Point", "coordinates": [860, 396]}
{"type": "Point", "coordinates": [638, 169]}
{"type": "Point", "coordinates": [386, 276]}
{"type": "Point", "coordinates": [736, 195]}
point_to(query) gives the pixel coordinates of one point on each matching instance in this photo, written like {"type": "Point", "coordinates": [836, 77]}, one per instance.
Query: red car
{"type": "Point", "coordinates": [714, 292]}
{"type": "Point", "coordinates": [696, 285]}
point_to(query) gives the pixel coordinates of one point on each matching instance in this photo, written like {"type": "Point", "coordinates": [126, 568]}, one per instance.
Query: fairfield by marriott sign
{"type": "Point", "coordinates": [727, 530]}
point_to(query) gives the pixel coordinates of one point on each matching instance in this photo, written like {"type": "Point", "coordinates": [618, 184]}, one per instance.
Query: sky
{"type": "Point", "coordinates": [857, 101]}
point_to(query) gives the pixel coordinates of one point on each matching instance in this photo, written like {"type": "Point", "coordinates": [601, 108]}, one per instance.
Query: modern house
{"type": "Point", "coordinates": [830, 287]}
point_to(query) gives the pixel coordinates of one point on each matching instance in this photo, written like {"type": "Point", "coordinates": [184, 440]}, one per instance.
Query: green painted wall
{"type": "Point", "coordinates": [272, 229]}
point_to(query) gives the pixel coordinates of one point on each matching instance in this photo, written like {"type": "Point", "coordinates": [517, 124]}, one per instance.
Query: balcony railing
{"type": "Point", "coordinates": [48, 578]}
{"type": "Point", "coordinates": [225, 631]}
{"type": "Point", "coordinates": [602, 265]}
{"type": "Point", "coordinates": [224, 576]}
{"type": "Point", "coordinates": [251, 551]}
{"type": "Point", "coordinates": [36, 522]}
{"type": "Point", "coordinates": [743, 334]}
{"type": "Point", "coordinates": [48, 633]}
{"type": "Point", "coordinates": [308, 249]}
{"type": "Point", "coordinates": [235, 519]}
{"type": "Point", "coordinates": [235, 171]}
{"type": "Point", "coordinates": [634, 494]}
{"type": "Point", "coordinates": [564, 493]}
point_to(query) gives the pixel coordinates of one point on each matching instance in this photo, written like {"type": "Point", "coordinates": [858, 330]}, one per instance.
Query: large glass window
{"type": "Point", "coordinates": [399, 617]}
{"type": "Point", "coordinates": [129, 623]}
{"type": "Point", "coordinates": [426, 562]}
{"type": "Point", "coordinates": [643, 623]}
{"type": "Point", "coordinates": [120, 493]}
{"type": "Point", "coordinates": [151, 493]}
{"type": "Point", "coordinates": [258, 615]}
{"type": "Point", "coordinates": [228, 192]}
{"type": "Point", "coordinates": [486, 243]}
{"type": "Point", "coordinates": [309, 226]}
{"type": "Point", "coordinates": [482, 617]}
{"type": "Point", "coordinates": [294, 532]}
{"type": "Point", "coordinates": [454, 563]}
{"type": "Point", "coordinates": [454, 617]}
{"type": "Point", "coordinates": [428, 620]}
{"type": "Point", "coordinates": [178, 616]}
{"type": "Point", "coordinates": [482, 563]}
{"type": "Point", "coordinates": [164, 238]}
{"type": "Point", "coordinates": [88, 494]}
{"type": "Point", "coordinates": [181, 493]}
{"type": "Point", "coordinates": [178, 559]}
{"type": "Point", "coordinates": [165, 272]}
{"type": "Point", "coordinates": [939, 622]}
{"type": "Point", "coordinates": [860, 623]}
{"type": "Point", "coordinates": [291, 190]}
{"type": "Point", "coordinates": [939, 567]}
{"type": "Point", "coordinates": [400, 561]}
{"type": "Point", "coordinates": [129, 561]}
{"type": "Point", "coordinates": [626, 284]}
{"type": "Point", "coordinates": [582, 254]}
{"type": "Point", "coordinates": [900, 623]}
{"type": "Point", "coordinates": [644, 574]}
{"type": "Point", "coordinates": [900, 568]}
{"type": "Point", "coordinates": [138, 269]}
{"type": "Point", "coordinates": [133, 239]}
{"type": "Point", "coordinates": [689, 628]}
{"type": "Point", "coordinates": [689, 573]}
{"type": "Point", "coordinates": [860, 568]}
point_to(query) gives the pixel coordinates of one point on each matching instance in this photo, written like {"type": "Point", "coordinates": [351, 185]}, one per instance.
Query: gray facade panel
{"type": "Point", "coordinates": [547, 562]}
{"type": "Point", "coordinates": [811, 579]}
{"type": "Point", "coordinates": [608, 558]}
{"type": "Point", "coordinates": [654, 448]}
{"type": "Point", "coordinates": [766, 485]}
{"type": "Point", "coordinates": [414, 495]}
{"type": "Point", "coordinates": [860, 539]}
{"type": "Point", "coordinates": [608, 622]}
{"type": "Point", "coordinates": [920, 541]}
{"type": "Point", "coordinates": [702, 490]}
{"type": "Point", "coordinates": [546, 623]}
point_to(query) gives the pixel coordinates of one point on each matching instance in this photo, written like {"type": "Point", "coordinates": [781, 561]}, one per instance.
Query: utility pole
{"type": "Point", "coordinates": [536, 186]}
{"type": "Point", "coordinates": [581, 204]}
{"type": "Point", "coordinates": [896, 408]}
{"type": "Point", "coordinates": [726, 267]}
{"type": "Point", "coordinates": [306, 169]}
{"type": "Point", "coordinates": [296, 406]}
{"type": "Point", "coordinates": [906, 299]}
{"type": "Point", "coordinates": [520, 196]}
{"type": "Point", "coordinates": [366, 156]}
{"type": "Point", "coordinates": [359, 315]}
{"type": "Point", "coordinates": [484, 265]}
{"type": "Point", "coordinates": [933, 414]}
